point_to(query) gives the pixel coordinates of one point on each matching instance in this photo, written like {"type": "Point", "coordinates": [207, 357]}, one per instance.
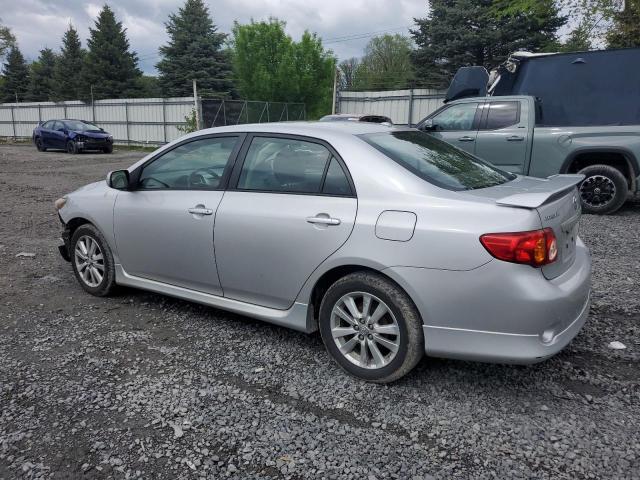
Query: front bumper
{"type": "Point", "coordinates": [64, 242]}
{"type": "Point", "coordinates": [499, 312]}
{"type": "Point", "coordinates": [94, 144]}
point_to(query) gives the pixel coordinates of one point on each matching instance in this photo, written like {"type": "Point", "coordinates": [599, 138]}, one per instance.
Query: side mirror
{"type": "Point", "coordinates": [428, 124]}
{"type": "Point", "coordinates": [118, 179]}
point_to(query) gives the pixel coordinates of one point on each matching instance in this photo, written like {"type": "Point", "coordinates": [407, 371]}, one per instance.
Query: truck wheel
{"type": "Point", "coordinates": [604, 190]}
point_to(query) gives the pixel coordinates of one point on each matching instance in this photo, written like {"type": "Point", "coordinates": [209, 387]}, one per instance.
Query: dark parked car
{"type": "Point", "coordinates": [356, 117]}
{"type": "Point", "coordinates": [73, 136]}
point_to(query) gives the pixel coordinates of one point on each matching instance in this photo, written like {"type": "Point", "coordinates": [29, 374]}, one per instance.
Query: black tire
{"type": "Point", "coordinates": [72, 148]}
{"type": "Point", "coordinates": [39, 145]}
{"type": "Point", "coordinates": [108, 282]}
{"type": "Point", "coordinates": [108, 149]}
{"type": "Point", "coordinates": [604, 190]}
{"type": "Point", "coordinates": [411, 340]}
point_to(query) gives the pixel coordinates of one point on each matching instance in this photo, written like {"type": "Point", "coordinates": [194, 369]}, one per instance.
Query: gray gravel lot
{"type": "Point", "coordinates": [141, 385]}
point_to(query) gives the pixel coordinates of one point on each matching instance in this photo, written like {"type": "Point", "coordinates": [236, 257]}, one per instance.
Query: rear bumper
{"type": "Point", "coordinates": [500, 347]}
{"type": "Point", "coordinates": [499, 312]}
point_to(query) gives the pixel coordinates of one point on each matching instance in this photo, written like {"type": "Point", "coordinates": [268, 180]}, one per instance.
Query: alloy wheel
{"type": "Point", "coordinates": [597, 190]}
{"type": "Point", "coordinates": [89, 261]}
{"type": "Point", "coordinates": [365, 330]}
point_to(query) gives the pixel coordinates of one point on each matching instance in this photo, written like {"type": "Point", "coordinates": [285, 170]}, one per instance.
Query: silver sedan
{"type": "Point", "coordinates": [391, 243]}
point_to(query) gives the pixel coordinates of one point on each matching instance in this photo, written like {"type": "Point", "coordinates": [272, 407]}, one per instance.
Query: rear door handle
{"type": "Point", "coordinates": [515, 138]}
{"type": "Point", "coordinates": [200, 211]}
{"type": "Point", "coordinates": [323, 219]}
{"type": "Point", "coordinates": [466, 138]}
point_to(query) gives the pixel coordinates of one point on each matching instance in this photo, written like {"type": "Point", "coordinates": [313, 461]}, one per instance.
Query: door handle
{"type": "Point", "coordinates": [323, 220]}
{"type": "Point", "coordinates": [515, 138]}
{"type": "Point", "coordinates": [200, 211]}
{"type": "Point", "coordinates": [466, 138]}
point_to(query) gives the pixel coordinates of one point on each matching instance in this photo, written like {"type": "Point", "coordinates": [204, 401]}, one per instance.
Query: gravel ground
{"type": "Point", "coordinates": [141, 385]}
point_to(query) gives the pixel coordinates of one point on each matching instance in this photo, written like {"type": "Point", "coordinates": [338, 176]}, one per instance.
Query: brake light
{"type": "Point", "coordinates": [535, 248]}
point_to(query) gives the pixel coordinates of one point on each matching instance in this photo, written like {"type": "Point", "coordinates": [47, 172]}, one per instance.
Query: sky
{"type": "Point", "coordinates": [344, 25]}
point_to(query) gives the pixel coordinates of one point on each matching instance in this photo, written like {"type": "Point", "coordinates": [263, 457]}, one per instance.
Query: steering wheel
{"type": "Point", "coordinates": [197, 179]}
{"type": "Point", "coordinates": [145, 180]}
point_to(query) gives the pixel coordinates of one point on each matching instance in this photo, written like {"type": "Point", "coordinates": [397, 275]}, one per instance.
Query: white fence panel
{"type": "Point", "coordinates": [133, 120]}
{"type": "Point", "coordinates": [402, 106]}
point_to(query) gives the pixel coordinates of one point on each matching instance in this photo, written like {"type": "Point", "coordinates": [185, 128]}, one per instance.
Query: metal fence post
{"type": "Point", "coordinates": [164, 120]}
{"type": "Point", "coordinates": [126, 119]}
{"type": "Point", "coordinates": [13, 123]}
{"type": "Point", "coordinates": [64, 107]}
{"type": "Point", "coordinates": [39, 114]}
{"type": "Point", "coordinates": [410, 119]}
{"type": "Point", "coordinates": [268, 112]}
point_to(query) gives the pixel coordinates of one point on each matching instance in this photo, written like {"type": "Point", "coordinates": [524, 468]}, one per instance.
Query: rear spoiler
{"type": "Point", "coordinates": [552, 188]}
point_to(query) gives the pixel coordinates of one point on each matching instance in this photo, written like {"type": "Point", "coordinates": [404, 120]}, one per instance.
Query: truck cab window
{"type": "Point", "coordinates": [502, 115]}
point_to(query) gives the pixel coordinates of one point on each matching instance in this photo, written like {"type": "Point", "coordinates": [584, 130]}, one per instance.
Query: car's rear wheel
{"type": "Point", "coordinates": [92, 261]}
{"type": "Point", "coordinates": [371, 327]}
{"type": "Point", "coordinates": [604, 190]}
{"type": "Point", "coordinates": [72, 148]}
{"type": "Point", "coordinates": [40, 145]}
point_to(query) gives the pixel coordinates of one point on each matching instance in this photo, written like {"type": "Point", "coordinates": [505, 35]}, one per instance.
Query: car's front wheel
{"type": "Point", "coordinates": [92, 261]}
{"type": "Point", "coordinates": [72, 147]}
{"type": "Point", "coordinates": [108, 149]}
{"type": "Point", "coordinates": [40, 145]}
{"type": "Point", "coordinates": [604, 190]}
{"type": "Point", "coordinates": [371, 327]}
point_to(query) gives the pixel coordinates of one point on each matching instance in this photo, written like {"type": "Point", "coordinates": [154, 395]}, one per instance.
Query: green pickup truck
{"type": "Point", "coordinates": [541, 115]}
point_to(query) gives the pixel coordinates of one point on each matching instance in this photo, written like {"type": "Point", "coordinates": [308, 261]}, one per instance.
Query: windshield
{"type": "Point", "coordinates": [80, 126]}
{"type": "Point", "coordinates": [436, 161]}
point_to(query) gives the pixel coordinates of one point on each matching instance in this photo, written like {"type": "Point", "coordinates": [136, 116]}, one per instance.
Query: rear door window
{"type": "Point", "coordinates": [502, 115]}
{"type": "Point", "coordinates": [336, 181]}
{"type": "Point", "coordinates": [436, 161]}
{"type": "Point", "coordinates": [284, 165]}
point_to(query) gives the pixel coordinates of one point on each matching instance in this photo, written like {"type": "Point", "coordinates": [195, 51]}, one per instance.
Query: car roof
{"type": "Point", "coordinates": [323, 130]}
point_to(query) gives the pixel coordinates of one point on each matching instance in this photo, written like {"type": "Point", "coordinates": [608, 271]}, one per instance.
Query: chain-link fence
{"type": "Point", "coordinates": [218, 112]}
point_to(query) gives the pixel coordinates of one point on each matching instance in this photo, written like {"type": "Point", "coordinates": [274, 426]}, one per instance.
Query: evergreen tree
{"type": "Point", "coordinates": [67, 73]}
{"type": "Point", "coordinates": [460, 33]}
{"type": "Point", "coordinates": [109, 66]}
{"type": "Point", "coordinates": [625, 31]}
{"type": "Point", "coordinates": [195, 51]}
{"type": "Point", "coordinates": [41, 82]}
{"type": "Point", "coordinates": [16, 77]}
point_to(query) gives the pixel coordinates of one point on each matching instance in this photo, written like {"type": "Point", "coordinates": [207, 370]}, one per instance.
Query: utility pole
{"type": "Point", "coordinates": [195, 104]}
{"type": "Point", "coordinates": [335, 92]}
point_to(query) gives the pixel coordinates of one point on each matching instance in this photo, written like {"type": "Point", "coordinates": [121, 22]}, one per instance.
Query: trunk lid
{"type": "Point", "coordinates": [557, 202]}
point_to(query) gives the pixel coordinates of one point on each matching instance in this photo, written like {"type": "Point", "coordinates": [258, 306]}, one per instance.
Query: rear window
{"type": "Point", "coordinates": [437, 162]}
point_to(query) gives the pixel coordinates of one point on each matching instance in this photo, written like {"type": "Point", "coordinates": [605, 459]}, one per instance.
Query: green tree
{"type": "Point", "coordinates": [6, 40]}
{"type": "Point", "coordinates": [270, 66]}
{"type": "Point", "coordinates": [16, 77]}
{"type": "Point", "coordinates": [625, 31]}
{"type": "Point", "coordinates": [149, 87]}
{"type": "Point", "coordinates": [68, 70]}
{"type": "Point", "coordinates": [591, 19]}
{"type": "Point", "coordinates": [460, 33]}
{"type": "Point", "coordinates": [195, 51]}
{"type": "Point", "coordinates": [386, 64]}
{"type": "Point", "coordinates": [348, 69]}
{"type": "Point", "coordinates": [109, 66]}
{"type": "Point", "coordinates": [41, 84]}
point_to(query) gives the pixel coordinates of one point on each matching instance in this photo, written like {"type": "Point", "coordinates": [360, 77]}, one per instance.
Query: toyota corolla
{"type": "Point", "coordinates": [391, 243]}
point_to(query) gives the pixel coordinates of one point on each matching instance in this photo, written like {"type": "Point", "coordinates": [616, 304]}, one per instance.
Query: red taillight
{"type": "Point", "coordinates": [536, 248]}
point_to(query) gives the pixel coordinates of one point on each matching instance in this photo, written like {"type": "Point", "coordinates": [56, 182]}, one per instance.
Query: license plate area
{"type": "Point", "coordinates": [568, 238]}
